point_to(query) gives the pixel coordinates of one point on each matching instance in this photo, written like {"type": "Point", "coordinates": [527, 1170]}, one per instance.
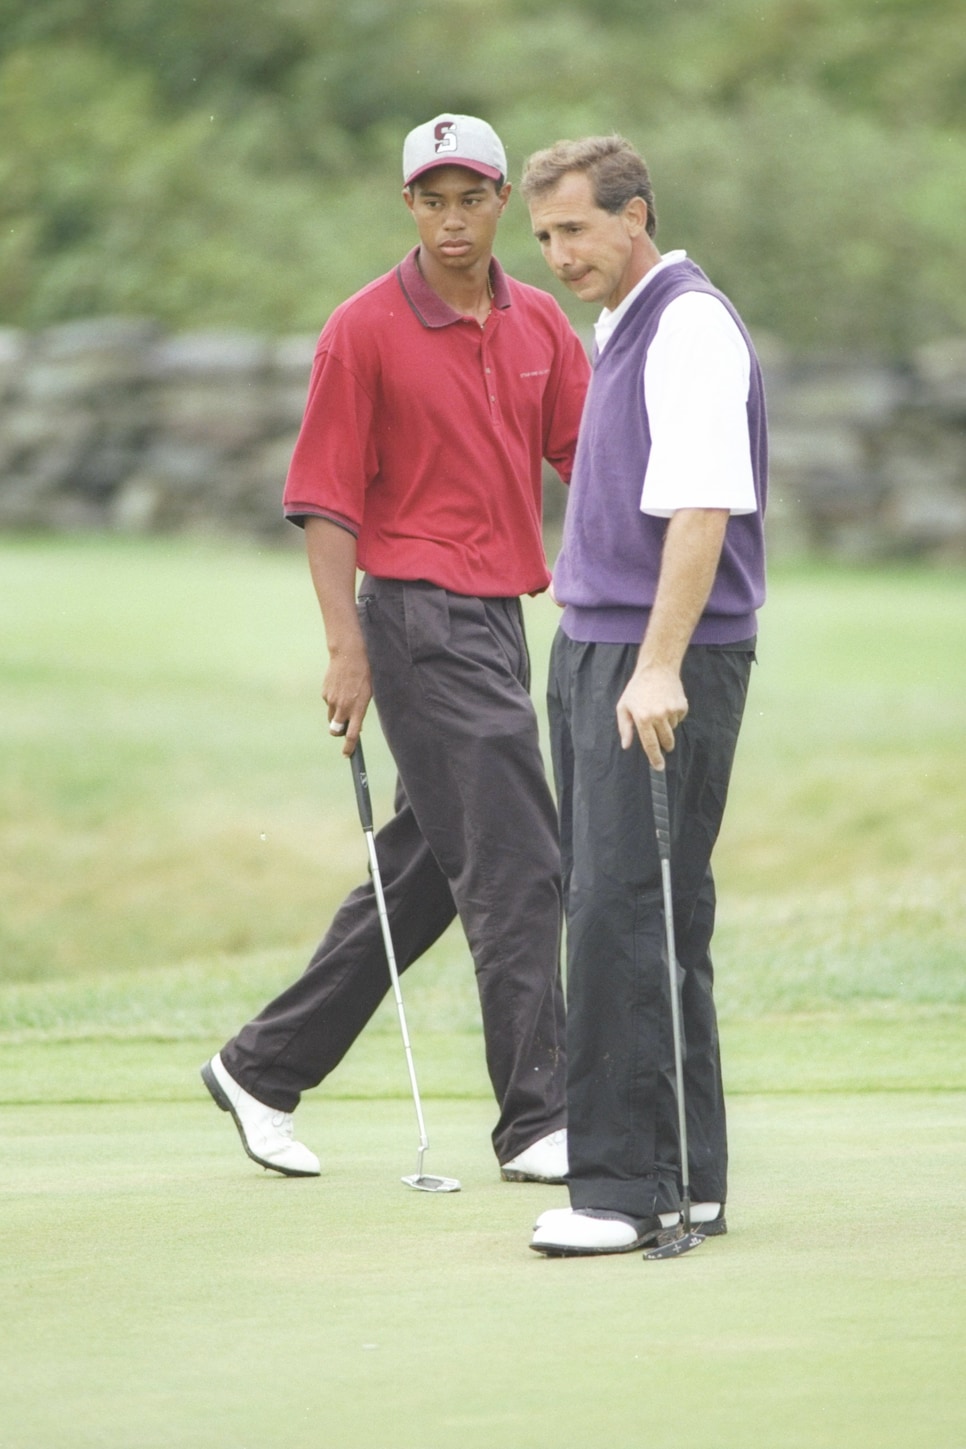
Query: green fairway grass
{"type": "Point", "coordinates": [169, 796]}
{"type": "Point", "coordinates": [176, 828]}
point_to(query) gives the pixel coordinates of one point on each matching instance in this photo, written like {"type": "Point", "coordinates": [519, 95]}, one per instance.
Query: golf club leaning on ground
{"type": "Point", "coordinates": [420, 1181]}
{"type": "Point", "coordinates": [685, 1239]}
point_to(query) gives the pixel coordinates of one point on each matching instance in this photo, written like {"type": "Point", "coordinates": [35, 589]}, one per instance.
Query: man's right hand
{"type": "Point", "coordinates": [347, 687]}
{"type": "Point", "coordinates": [650, 710]}
{"type": "Point", "coordinates": [347, 690]}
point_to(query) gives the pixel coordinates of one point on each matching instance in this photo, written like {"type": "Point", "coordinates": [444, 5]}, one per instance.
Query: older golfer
{"type": "Point", "coordinates": [660, 576]}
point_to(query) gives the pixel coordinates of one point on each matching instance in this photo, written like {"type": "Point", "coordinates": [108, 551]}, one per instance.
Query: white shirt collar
{"type": "Point", "coordinates": [607, 322]}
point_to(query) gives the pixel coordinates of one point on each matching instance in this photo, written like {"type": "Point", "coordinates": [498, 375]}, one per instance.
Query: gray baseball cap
{"type": "Point", "coordinates": [453, 141]}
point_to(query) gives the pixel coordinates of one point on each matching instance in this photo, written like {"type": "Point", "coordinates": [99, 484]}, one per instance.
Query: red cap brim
{"type": "Point", "coordinates": [479, 166]}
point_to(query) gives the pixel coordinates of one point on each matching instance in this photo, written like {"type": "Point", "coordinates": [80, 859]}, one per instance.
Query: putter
{"type": "Point", "coordinates": [419, 1180]}
{"type": "Point", "coordinates": [682, 1239]}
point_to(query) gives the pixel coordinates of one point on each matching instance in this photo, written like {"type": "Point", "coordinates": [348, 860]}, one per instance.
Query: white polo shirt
{"type": "Point", "coordinates": [696, 382]}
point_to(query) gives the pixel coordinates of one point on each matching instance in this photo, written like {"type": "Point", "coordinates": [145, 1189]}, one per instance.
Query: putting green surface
{"type": "Point", "coordinates": [160, 1290]}
{"type": "Point", "coordinates": [174, 835]}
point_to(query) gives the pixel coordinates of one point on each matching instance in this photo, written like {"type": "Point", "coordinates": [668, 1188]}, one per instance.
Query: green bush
{"type": "Point", "coordinates": [226, 163]}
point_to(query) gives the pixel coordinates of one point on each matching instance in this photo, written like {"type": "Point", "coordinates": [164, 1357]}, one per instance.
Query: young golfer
{"type": "Point", "coordinates": [660, 576]}
{"type": "Point", "coordinates": [436, 394]}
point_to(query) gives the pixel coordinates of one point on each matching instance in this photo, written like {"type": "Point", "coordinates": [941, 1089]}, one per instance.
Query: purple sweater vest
{"type": "Point", "coordinates": [607, 571]}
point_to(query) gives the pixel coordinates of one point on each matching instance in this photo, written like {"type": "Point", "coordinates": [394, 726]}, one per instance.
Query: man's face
{"type": "Point", "coordinates": [590, 250]}
{"type": "Point", "coordinates": [456, 213]}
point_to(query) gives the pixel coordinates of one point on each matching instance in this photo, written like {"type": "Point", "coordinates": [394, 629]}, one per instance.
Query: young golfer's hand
{"type": "Point", "coordinates": [347, 690]}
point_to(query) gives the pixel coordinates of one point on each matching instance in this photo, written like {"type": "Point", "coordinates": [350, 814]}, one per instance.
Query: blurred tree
{"type": "Point", "coordinates": [222, 161]}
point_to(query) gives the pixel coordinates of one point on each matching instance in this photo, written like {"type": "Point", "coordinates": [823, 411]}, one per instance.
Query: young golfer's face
{"type": "Point", "coordinates": [456, 212]}
{"type": "Point", "coordinates": [595, 253]}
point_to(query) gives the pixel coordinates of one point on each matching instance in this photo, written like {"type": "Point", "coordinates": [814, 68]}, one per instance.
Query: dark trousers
{"type": "Point", "coordinates": [474, 833]}
{"type": "Point", "coordinates": [622, 1127]}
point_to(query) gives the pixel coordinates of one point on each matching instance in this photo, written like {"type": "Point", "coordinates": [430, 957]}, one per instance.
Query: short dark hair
{"type": "Point", "coordinates": [617, 173]}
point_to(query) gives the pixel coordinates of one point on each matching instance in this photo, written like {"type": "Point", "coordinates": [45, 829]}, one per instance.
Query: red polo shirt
{"type": "Point", "coordinates": [424, 432]}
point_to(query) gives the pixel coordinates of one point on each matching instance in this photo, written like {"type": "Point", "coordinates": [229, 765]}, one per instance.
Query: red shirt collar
{"type": "Point", "coordinates": [429, 306]}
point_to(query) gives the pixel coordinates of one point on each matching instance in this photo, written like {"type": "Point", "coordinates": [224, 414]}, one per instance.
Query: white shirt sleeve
{"type": "Point", "coordinates": [696, 382]}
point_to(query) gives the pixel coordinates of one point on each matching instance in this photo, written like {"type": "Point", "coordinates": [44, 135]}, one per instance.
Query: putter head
{"type": "Point", "coordinates": [673, 1243]}
{"type": "Point", "coordinates": [424, 1182]}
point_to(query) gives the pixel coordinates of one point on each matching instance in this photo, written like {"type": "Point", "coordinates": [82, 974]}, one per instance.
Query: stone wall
{"type": "Point", "coordinates": [114, 424]}
{"type": "Point", "coordinates": [869, 461]}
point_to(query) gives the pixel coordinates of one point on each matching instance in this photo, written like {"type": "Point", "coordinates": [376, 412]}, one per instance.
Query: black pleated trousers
{"type": "Point", "coordinates": [622, 1114]}
{"type": "Point", "coordinates": [474, 834]}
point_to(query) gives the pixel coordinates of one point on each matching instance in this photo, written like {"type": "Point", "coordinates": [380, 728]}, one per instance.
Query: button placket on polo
{"type": "Point", "coordinates": [489, 372]}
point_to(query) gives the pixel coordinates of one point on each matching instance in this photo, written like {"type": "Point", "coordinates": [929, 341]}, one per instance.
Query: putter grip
{"type": "Point", "coordinates": [361, 782]}
{"type": "Point", "coordinates": [662, 813]}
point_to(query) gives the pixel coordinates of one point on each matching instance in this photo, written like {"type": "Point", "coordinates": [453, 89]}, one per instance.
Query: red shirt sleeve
{"type": "Point", "coordinates": [334, 458]}
{"type": "Point", "coordinates": [565, 398]}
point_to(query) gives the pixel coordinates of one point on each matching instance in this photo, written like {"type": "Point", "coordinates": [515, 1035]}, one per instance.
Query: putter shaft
{"type": "Point", "coordinates": [396, 989]}
{"type": "Point", "coordinates": [662, 827]}
{"type": "Point", "coordinates": [364, 802]}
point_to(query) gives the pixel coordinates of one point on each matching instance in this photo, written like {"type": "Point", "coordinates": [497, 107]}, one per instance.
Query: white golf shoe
{"type": "Point", "coordinates": [708, 1219]}
{"type": "Point", "coordinates": [266, 1133]}
{"type": "Point", "coordinates": [576, 1233]}
{"type": "Point", "coordinates": [548, 1215]}
{"type": "Point", "coordinates": [542, 1161]}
